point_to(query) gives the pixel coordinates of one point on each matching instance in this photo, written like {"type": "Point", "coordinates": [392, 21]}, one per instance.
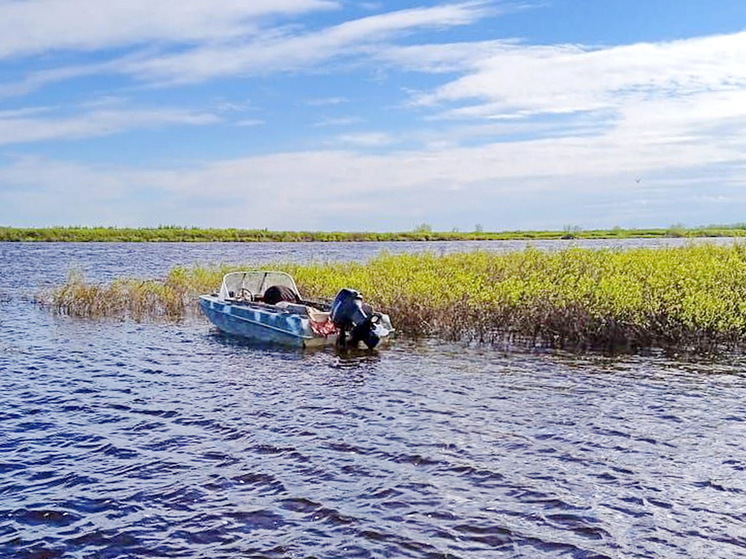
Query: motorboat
{"type": "Point", "coordinates": [266, 306]}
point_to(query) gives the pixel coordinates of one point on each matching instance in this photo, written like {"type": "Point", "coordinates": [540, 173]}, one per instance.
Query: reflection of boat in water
{"type": "Point", "coordinates": [266, 306]}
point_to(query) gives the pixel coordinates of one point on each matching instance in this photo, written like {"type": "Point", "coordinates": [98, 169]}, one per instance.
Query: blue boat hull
{"type": "Point", "coordinates": [257, 322]}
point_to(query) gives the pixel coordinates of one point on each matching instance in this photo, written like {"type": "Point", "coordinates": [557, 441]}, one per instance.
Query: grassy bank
{"type": "Point", "coordinates": [422, 233]}
{"type": "Point", "coordinates": [688, 299]}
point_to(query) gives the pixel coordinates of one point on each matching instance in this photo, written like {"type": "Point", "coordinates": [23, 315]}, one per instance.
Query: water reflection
{"type": "Point", "coordinates": [120, 439]}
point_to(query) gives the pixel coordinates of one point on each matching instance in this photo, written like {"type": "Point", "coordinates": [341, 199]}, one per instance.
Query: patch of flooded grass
{"type": "Point", "coordinates": [689, 299]}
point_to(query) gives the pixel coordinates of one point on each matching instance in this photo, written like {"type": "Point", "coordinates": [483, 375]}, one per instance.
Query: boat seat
{"type": "Point", "coordinates": [314, 314]}
{"type": "Point", "coordinates": [292, 307]}
{"type": "Point", "coordinates": [318, 316]}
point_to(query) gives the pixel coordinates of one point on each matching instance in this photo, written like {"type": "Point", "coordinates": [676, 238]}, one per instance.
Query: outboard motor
{"type": "Point", "coordinates": [349, 314]}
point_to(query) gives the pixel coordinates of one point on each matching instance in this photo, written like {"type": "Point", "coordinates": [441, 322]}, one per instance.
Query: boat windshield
{"type": "Point", "coordinates": [256, 282]}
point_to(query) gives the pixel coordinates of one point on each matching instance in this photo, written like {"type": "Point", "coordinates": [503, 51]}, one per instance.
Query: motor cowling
{"type": "Point", "coordinates": [355, 318]}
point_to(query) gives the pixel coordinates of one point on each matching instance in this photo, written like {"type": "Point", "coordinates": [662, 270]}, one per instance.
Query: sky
{"type": "Point", "coordinates": [346, 115]}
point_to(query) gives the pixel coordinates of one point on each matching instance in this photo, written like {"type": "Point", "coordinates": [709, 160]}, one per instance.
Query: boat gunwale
{"type": "Point", "coordinates": [261, 305]}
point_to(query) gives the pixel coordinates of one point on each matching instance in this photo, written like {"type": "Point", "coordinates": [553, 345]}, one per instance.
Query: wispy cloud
{"type": "Point", "coordinates": [327, 101]}
{"type": "Point", "coordinates": [279, 51]}
{"type": "Point", "coordinates": [341, 121]}
{"type": "Point", "coordinates": [33, 125]}
{"type": "Point", "coordinates": [37, 26]}
{"type": "Point", "coordinates": [249, 122]}
{"type": "Point", "coordinates": [42, 78]}
{"type": "Point", "coordinates": [233, 45]}
{"type": "Point", "coordinates": [234, 106]}
{"type": "Point", "coordinates": [367, 139]}
{"type": "Point", "coordinates": [442, 57]}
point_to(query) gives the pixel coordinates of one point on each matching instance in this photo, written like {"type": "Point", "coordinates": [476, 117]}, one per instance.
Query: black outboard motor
{"type": "Point", "coordinates": [349, 314]}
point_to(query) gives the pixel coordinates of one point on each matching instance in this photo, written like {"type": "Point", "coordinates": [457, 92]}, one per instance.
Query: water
{"type": "Point", "coordinates": [120, 439]}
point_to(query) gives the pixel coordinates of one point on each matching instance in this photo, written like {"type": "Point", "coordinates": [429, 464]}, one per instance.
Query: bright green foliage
{"type": "Point", "coordinates": [691, 298]}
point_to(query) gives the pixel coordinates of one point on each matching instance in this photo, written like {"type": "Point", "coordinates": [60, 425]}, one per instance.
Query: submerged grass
{"type": "Point", "coordinates": [686, 299]}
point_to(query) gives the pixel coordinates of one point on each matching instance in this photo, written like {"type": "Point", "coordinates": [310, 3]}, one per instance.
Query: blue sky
{"type": "Point", "coordinates": [372, 115]}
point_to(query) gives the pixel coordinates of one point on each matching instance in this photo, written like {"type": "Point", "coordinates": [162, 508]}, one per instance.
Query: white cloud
{"type": "Point", "coordinates": [61, 181]}
{"type": "Point", "coordinates": [327, 101]}
{"type": "Point", "coordinates": [278, 51]}
{"type": "Point", "coordinates": [367, 139]}
{"type": "Point", "coordinates": [212, 39]}
{"type": "Point", "coordinates": [648, 104]}
{"type": "Point", "coordinates": [534, 183]}
{"type": "Point", "coordinates": [442, 57]}
{"type": "Point", "coordinates": [382, 25]}
{"type": "Point", "coordinates": [234, 107]}
{"type": "Point", "coordinates": [35, 26]}
{"type": "Point", "coordinates": [24, 112]}
{"type": "Point", "coordinates": [340, 121]}
{"type": "Point", "coordinates": [25, 126]}
{"type": "Point", "coordinates": [250, 122]}
{"type": "Point", "coordinates": [525, 79]}
{"type": "Point", "coordinates": [43, 78]}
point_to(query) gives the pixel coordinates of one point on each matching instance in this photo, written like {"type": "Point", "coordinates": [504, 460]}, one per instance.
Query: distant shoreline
{"type": "Point", "coordinates": [194, 234]}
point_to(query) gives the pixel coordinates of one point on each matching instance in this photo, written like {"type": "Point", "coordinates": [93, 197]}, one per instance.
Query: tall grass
{"type": "Point", "coordinates": [691, 298]}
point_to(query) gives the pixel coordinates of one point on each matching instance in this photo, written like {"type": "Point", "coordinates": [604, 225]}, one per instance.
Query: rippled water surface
{"type": "Point", "coordinates": [120, 439]}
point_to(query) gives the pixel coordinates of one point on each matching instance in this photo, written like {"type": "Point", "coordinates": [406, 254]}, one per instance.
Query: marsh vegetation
{"type": "Point", "coordinates": [691, 298]}
{"type": "Point", "coordinates": [422, 232]}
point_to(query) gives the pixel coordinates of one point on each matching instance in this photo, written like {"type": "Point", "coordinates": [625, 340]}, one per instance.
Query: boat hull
{"type": "Point", "coordinates": [262, 324]}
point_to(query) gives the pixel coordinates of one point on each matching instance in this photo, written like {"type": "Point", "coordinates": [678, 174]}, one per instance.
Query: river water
{"type": "Point", "coordinates": [120, 439]}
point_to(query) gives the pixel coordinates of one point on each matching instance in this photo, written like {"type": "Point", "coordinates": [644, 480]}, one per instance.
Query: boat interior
{"type": "Point", "coordinates": [268, 289]}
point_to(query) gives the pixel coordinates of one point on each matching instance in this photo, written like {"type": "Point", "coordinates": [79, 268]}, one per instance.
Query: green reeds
{"type": "Point", "coordinates": [689, 299]}
{"type": "Point", "coordinates": [137, 299]}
